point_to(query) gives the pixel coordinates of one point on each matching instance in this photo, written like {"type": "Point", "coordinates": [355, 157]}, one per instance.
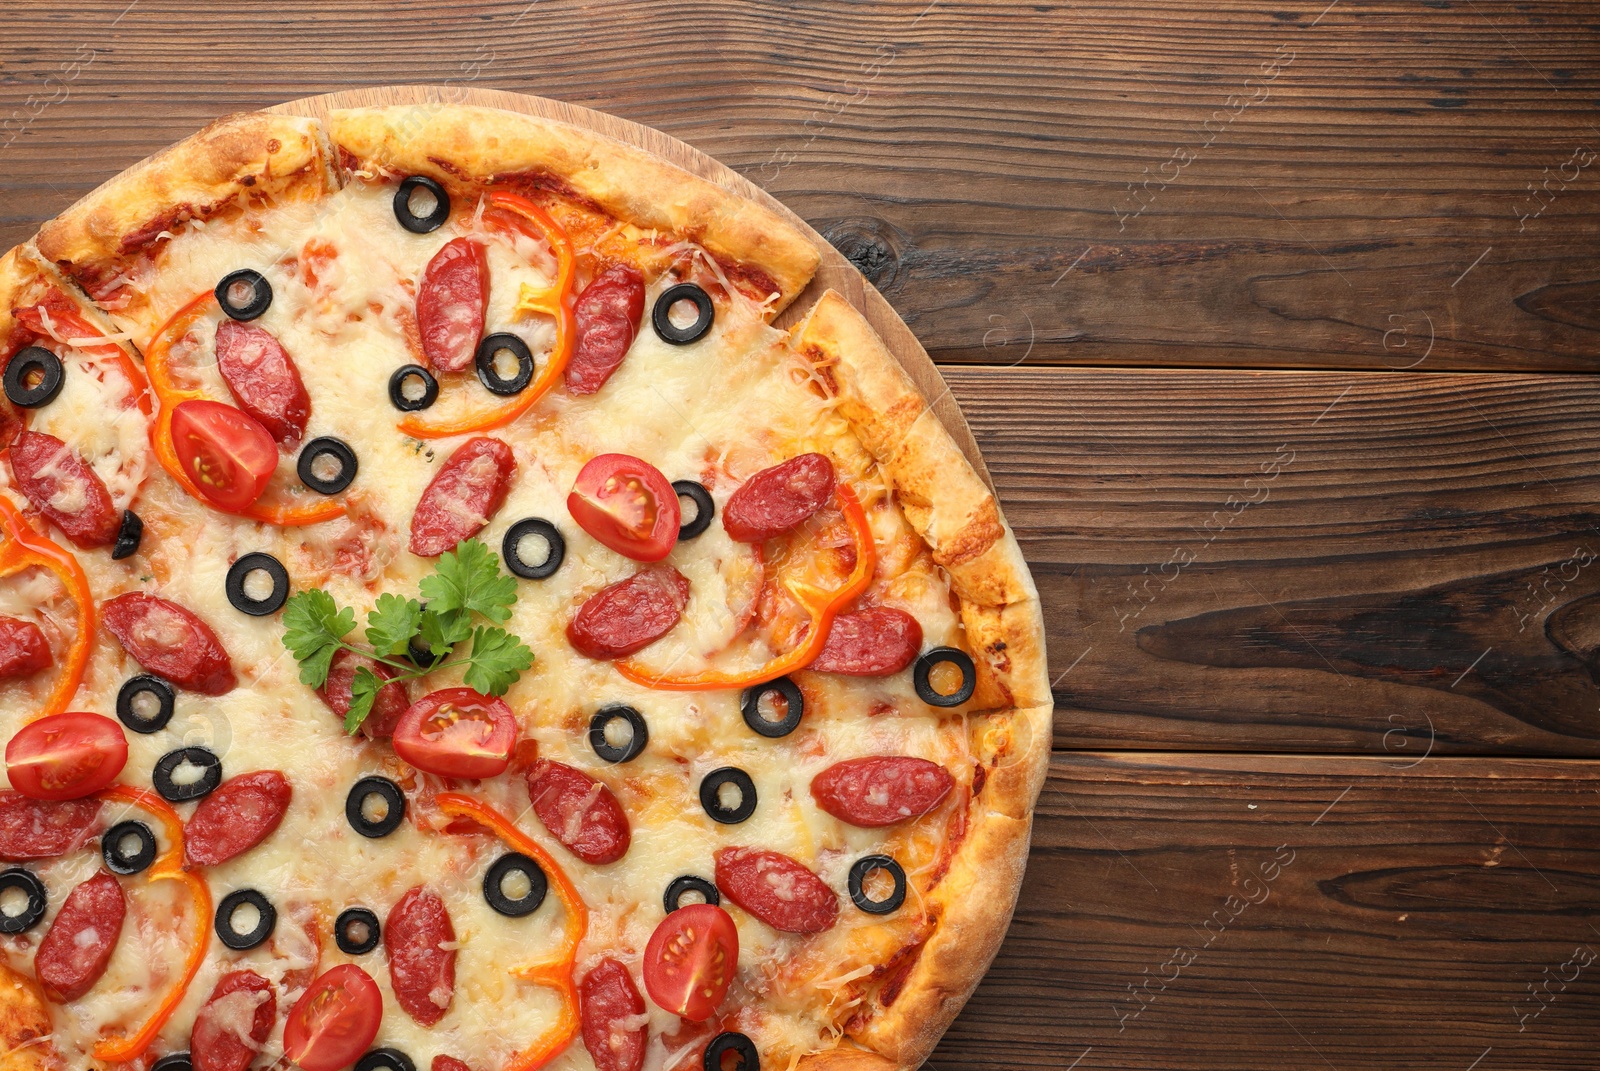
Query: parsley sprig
{"type": "Point", "coordinates": [466, 583]}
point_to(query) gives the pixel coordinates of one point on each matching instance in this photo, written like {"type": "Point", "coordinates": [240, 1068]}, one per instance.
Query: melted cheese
{"type": "Point", "coordinates": [717, 411]}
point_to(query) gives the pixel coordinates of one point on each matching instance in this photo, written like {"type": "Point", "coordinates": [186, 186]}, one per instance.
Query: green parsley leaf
{"type": "Point", "coordinates": [363, 690]}
{"type": "Point", "coordinates": [392, 622]}
{"type": "Point", "coordinates": [469, 578]}
{"type": "Point", "coordinates": [441, 632]}
{"type": "Point", "coordinates": [313, 627]}
{"type": "Point", "coordinates": [498, 659]}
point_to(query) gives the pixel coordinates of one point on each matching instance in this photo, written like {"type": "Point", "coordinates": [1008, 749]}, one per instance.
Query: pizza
{"type": "Point", "coordinates": [444, 624]}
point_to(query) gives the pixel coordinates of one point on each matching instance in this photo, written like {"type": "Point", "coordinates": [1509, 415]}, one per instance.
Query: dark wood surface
{"type": "Point", "coordinates": [1347, 611]}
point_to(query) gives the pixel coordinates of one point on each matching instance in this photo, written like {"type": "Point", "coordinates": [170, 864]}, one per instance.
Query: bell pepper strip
{"type": "Point", "coordinates": [555, 972]}
{"type": "Point", "coordinates": [22, 547]}
{"type": "Point", "coordinates": [66, 322]}
{"type": "Point", "coordinates": [167, 867]}
{"type": "Point", "coordinates": [820, 604]}
{"type": "Point", "coordinates": [555, 301]}
{"type": "Point", "coordinates": [158, 364]}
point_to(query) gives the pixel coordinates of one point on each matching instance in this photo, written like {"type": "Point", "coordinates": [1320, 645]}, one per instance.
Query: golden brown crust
{"type": "Point", "coordinates": [252, 154]}
{"type": "Point", "coordinates": [845, 1059]}
{"type": "Point", "coordinates": [442, 140]}
{"type": "Point", "coordinates": [24, 1026]}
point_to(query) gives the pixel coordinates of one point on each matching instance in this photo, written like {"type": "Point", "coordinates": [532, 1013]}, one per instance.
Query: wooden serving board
{"type": "Point", "coordinates": [835, 272]}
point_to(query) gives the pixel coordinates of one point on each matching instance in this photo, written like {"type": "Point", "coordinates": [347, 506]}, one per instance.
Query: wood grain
{"type": "Point", "coordinates": [1233, 913]}
{"type": "Point", "coordinates": [1253, 185]}
{"type": "Point", "coordinates": [1307, 561]}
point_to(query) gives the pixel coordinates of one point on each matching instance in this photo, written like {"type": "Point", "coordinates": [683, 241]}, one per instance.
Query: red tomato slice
{"type": "Point", "coordinates": [628, 505]}
{"type": "Point", "coordinates": [66, 756]}
{"type": "Point", "coordinates": [457, 732]}
{"type": "Point", "coordinates": [335, 1021]}
{"type": "Point", "coordinates": [690, 961]}
{"type": "Point", "coordinates": [227, 453]}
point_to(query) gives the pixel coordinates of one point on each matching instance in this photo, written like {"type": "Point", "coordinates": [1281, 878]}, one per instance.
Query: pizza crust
{"type": "Point", "coordinates": [490, 145]}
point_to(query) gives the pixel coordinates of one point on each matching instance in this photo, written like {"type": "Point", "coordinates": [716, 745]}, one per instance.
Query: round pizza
{"type": "Point", "coordinates": [444, 624]}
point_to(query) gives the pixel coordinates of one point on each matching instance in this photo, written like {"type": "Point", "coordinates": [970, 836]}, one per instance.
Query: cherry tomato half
{"type": "Point", "coordinates": [457, 732]}
{"type": "Point", "coordinates": [628, 505]}
{"type": "Point", "coordinates": [226, 452]}
{"type": "Point", "coordinates": [690, 961]}
{"type": "Point", "coordinates": [334, 1022]}
{"type": "Point", "coordinates": [66, 756]}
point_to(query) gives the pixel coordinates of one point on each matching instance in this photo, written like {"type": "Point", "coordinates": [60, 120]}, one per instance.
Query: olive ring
{"type": "Point", "coordinates": [173, 1061]}
{"type": "Point", "coordinates": [355, 813]}
{"type": "Point", "coordinates": [661, 319]}
{"type": "Point", "coordinates": [266, 919]}
{"type": "Point", "coordinates": [397, 388]}
{"type": "Point", "coordinates": [343, 936]}
{"type": "Point", "coordinates": [260, 294]}
{"type": "Point", "coordinates": [129, 533]}
{"type": "Point", "coordinates": [704, 508]}
{"type": "Point", "coordinates": [38, 900]}
{"type": "Point", "coordinates": [385, 1060]}
{"type": "Point", "coordinates": [794, 704]}
{"type": "Point", "coordinates": [31, 361]}
{"type": "Point", "coordinates": [864, 868]}
{"type": "Point", "coordinates": [638, 733]}
{"type": "Point", "coordinates": [118, 859]}
{"type": "Point", "coordinates": [410, 220]}
{"type": "Point", "coordinates": [503, 867]}
{"type": "Point", "coordinates": [172, 791]}
{"type": "Point", "coordinates": [555, 548]}
{"type": "Point", "coordinates": [710, 796]}
{"type": "Point", "coordinates": [241, 570]}
{"type": "Point", "coordinates": [925, 663]}
{"type": "Point", "coordinates": [145, 684]}
{"type": "Point", "coordinates": [490, 376]}
{"type": "Point", "coordinates": [688, 883]}
{"type": "Point", "coordinates": [338, 449]}
{"type": "Point", "coordinates": [731, 1041]}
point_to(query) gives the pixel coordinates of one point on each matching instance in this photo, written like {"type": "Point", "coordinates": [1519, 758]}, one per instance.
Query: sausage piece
{"type": "Point", "coordinates": [79, 943]}
{"type": "Point", "coordinates": [452, 302]}
{"type": "Point", "coordinates": [874, 642]}
{"type": "Point", "coordinates": [60, 485]}
{"type": "Point", "coordinates": [386, 708]}
{"type": "Point", "coordinates": [422, 974]}
{"type": "Point", "coordinates": [234, 1023]}
{"type": "Point", "coordinates": [615, 1029]}
{"type": "Point", "coordinates": [881, 790]}
{"type": "Point", "coordinates": [43, 829]}
{"type": "Point", "coordinates": [779, 499]}
{"type": "Point", "coordinates": [263, 379]}
{"type": "Point", "coordinates": [608, 314]}
{"type": "Point", "coordinates": [629, 615]}
{"type": "Point", "coordinates": [466, 491]}
{"type": "Point", "coordinates": [776, 889]}
{"type": "Point", "coordinates": [239, 814]}
{"type": "Point", "coordinates": [23, 649]}
{"type": "Point", "coordinates": [170, 642]}
{"type": "Point", "coordinates": [579, 811]}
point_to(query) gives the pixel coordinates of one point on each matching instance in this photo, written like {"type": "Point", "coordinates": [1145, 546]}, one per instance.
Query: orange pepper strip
{"type": "Point", "coordinates": [823, 606]}
{"type": "Point", "coordinates": [158, 363]}
{"type": "Point", "coordinates": [556, 301]}
{"type": "Point", "coordinates": [23, 547]}
{"type": "Point", "coordinates": [167, 867]}
{"type": "Point", "coordinates": [556, 972]}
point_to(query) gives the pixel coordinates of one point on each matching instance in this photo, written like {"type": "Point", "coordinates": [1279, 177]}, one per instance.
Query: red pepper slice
{"type": "Point", "coordinates": [167, 867]}
{"type": "Point", "coordinates": [158, 364]}
{"type": "Point", "coordinates": [822, 606]}
{"type": "Point", "coordinates": [555, 301]}
{"type": "Point", "coordinates": [23, 547]}
{"type": "Point", "coordinates": [555, 972]}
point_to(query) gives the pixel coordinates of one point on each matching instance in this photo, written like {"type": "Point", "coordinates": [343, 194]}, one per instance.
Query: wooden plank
{"type": "Point", "coordinates": [1366, 184]}
{"type": "Point", "coordinates": [1400, 564]}
{"type": "Point", "coordinates": [1231, 913]}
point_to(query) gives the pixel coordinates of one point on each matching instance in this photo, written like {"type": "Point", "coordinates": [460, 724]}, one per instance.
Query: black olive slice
{"type": "Point", "coordinates": [385, 1060]}
{"type": "Point", "coordinates": [410, 220]}
{"type": "Point", "coordinates": [34, 363]}
{"type": "Point", "coordinates": [175, 1061]}
{"type": "Point", "coordinates": [638, 733]}
{"type": "Point", "coordinates": [241, 570]}
{"type": "Point", "coordinates": [688, 883]}
{"type": "Point", "coordinates": [401, 391]}
{"type": "Point", "coordinates": [661, 315]}
{"type": "Point", "coordinates": [924, 666]}
{"type": "Point", "coordinates": [494, 885]}
{"type": "Point", "coordinates": [33, 911]}
{"type": "Point", "coordinates": [355, 807]}
{"type": "Point", "coordinates": [794, 707]}
{"type": "Point", "coordinates": [244, 294]}
{"type": "Point", "coordinates": [171, 790]}
{"type": "Point", "coordinates": [862, 870]}
{"type": "Point", "coordinates": [114, 847]}
{"type": "Point", "coordinates": [730, 1041]}
{"type": "Point", "coordinates": [555, 548]}
{"type": "Point", "coordinates": [488, 372]}
{"type": "Point", "coordinates": [711, 795]}
{"type": "Point", "coordinates": [704, 508]}
{"type": "Point", "coordinates": [356, 931]}
{"type": "Point", "coordinates": [266, 919]}
{"type": "Point", "coordinates": [327, 446]}
{"type": "Point", "coordinates": [128, 703]}
{"type": "Point", "coordinates": [129, 533]}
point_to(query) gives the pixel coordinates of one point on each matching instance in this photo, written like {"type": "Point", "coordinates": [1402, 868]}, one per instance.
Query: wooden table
{"type": "Point", "coordinates": [1272, 321]}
